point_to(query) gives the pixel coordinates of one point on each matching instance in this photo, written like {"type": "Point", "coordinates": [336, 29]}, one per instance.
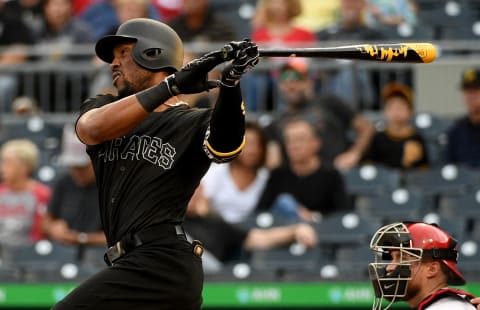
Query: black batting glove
{"type": "Point", "coordinates": [193, 77]}
{"type": "Point", "coordinates": [245, 56]}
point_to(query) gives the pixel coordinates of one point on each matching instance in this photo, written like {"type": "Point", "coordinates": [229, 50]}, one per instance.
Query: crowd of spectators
{"type": "Point", "coordinates": [293, 166]}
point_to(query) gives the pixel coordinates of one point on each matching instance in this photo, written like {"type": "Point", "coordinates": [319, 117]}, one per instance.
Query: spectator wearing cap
{"type": "Point", "coordinates": [398, 146]}
{"type": "Point", "coordinates": [332, 117]}
{"type": "Point", "coordinates": [463, 146]}
{"type": "Point", "coordinates": [73, 215]}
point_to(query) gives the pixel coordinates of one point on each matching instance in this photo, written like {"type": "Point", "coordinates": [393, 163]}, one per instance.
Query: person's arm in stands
{"type": "Point", "coordinates": [258, 238]}
{"type": "Point", "coordinates": [58, 230]}
{"type": "Point", "coordinates": [364, 131]}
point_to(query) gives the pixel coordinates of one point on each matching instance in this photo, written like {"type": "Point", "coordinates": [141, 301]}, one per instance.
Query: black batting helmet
{"type": "Point", "coordinates": [158, 47]}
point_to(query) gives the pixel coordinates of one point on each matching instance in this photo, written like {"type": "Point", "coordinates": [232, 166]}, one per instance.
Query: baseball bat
{"type": "Point", "coordinates": [393, 52]}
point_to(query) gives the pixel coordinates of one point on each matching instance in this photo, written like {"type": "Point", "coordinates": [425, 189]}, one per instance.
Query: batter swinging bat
{"type": "Point", "coordinates": [394, 52]}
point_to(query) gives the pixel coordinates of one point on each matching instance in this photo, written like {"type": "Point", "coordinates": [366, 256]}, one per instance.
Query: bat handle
{"type": "Point", "coordinates": [228, 52]}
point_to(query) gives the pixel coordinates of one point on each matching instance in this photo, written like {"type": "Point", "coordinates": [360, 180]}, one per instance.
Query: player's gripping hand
{"type": "Point", "coordinates": [245, 57]}
{"type": "Point", "coordinates": [193, 77]}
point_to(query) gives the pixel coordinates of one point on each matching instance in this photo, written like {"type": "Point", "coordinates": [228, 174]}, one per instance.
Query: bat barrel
{"type": "Point", "coordinates": [397, 52]}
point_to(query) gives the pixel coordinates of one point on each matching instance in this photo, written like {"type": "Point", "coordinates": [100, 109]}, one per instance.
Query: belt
{"type": "Point", "coordinates": [133, 240]}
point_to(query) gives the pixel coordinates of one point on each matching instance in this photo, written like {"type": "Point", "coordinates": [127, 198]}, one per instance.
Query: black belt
{"type": "Point", "coordinates": [133, 240]}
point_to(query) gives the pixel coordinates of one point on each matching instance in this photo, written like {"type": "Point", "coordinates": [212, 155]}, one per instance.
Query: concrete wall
{"type": "Point", "coordinates": [437, 86]}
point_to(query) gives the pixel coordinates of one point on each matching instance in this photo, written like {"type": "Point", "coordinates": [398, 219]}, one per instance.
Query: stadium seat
{"type": "Point", "coordinates": [46, 135]}
{"type": "Point", "coordinates": [41, 252]}
{"type": "Point", "coordinates": [352, 262]}
{"type": "Point", "coordinates": [421, 31]}
{"type": "Point", "coordinates": [265, 219]}
{"type": "Point", "coordinates": [370, 180]}
{"type": "Point", "coordinates": [469, 258]}
{"type": "Point", "coordinates": [447, 17]}
{"type": "Point", "coordinates": [242, 270]}
{"type": "Point", "coordinates": [446, 180]}
{"type": "Point", "coordinates": [456, 227]}
{"type": "Point", "coordinates": [433, 129]}
{"type": "Point", "coordinates": [238, 13]}
{"type": "Point", "coordinates": [92, 255]}
{"type": "Point", "coordinates": [344, 229]}
{"type": "Point", "coordinates": [288, 261]}
{"type": "Point", "coordinates": [465, 206]}
{"type": "Point", "coordinates": [400, 204]}
{"type": "Point", "coordinates": [44, 261]}
{"type": "Point", "coordinates": [10, 274]}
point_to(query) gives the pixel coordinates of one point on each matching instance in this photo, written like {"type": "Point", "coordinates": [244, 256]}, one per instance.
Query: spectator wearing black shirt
{"type": "Point", "coordinates": [303, 188]}
{"type": "Point", "coordinates": [73, 215]}
{"type": "Point", "coordinates": [399, 145]}
{"type": "Point", "coordinates": [463, 146]}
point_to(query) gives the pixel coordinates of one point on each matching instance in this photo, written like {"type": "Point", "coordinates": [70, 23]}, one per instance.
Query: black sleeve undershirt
{"type": "Point", "coordinates": [227, 124]}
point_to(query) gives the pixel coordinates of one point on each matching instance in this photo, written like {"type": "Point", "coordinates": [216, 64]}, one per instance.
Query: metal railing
{"type": "Point", "coordinates": [60, 84]}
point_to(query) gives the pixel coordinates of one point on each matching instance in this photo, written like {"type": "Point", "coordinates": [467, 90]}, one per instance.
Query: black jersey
{"type": "Point", "coordinates": [138, 186]}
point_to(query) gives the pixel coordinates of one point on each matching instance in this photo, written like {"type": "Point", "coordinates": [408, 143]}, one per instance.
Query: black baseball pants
{"type": "Point", "coordinates": [162, 275]}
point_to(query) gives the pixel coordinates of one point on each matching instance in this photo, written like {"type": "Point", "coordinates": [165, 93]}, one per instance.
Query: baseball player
{"type": "Point", "coordinates": [416, 263]}
{"type": "Point", "coordinates": [149, 152]}
{"type": "Point", "coordinates": [476, 302]}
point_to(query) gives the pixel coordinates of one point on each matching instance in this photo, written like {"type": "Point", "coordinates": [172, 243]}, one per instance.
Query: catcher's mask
{"type": "Point", "coordinates": [397, 247]}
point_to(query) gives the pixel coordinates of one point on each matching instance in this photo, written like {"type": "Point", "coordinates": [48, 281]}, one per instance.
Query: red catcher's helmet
{"type": "Point", "coordinates": [438, 244]}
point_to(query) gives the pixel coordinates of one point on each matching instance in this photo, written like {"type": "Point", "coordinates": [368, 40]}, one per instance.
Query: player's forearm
{"type": "Point", "coordinates": [227, 124]}
{"type": "Point", "coordinates": [110, 121]}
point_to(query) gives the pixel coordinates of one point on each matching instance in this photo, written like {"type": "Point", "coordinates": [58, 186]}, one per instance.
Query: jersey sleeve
{"type": "Point", "coordinates": [96, 102]}
{"type": "Point", "coordinates": [225, 135]}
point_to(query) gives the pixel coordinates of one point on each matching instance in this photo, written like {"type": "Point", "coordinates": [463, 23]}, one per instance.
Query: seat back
{"type": "Point", "coordinates": [370, 180]}
{"type": "Point", "coordinates": [447, 180]}
{"type": "Point", "coordinates": [398, 205]}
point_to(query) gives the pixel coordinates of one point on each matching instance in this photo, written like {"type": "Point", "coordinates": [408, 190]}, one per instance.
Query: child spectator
{"type": "Point", "coordinates": [23, 200]}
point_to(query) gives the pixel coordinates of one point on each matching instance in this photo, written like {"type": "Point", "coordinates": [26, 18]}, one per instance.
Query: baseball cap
{"type": "Point", "coordinates": [396, 89]}
{"type": "Point", "coordinates": [471, 78]}
{"type": "Point", "coordinates": [294, 69]}
{"type": "Point", "coordinates": [73, 150]}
